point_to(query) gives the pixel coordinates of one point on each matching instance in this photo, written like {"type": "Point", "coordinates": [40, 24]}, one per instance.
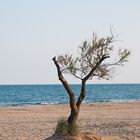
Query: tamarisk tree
{"type": "Point", "coordinates": [95, 59]}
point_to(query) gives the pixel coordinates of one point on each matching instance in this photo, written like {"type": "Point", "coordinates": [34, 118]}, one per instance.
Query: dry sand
{"type": "Point", "coordinates": [38, 122]}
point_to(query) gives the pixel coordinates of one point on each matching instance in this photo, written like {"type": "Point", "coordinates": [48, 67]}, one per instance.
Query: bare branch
{"type": "Point", "coordinates": [66, 85]}
{"type": "Point", "coordinates": [95, 67]}
{"type": "Point", "coordinates": [82, 94]}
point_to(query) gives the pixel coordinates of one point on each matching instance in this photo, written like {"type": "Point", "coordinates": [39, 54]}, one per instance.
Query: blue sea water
{"type": "Point", "coordinates": [18, 95]}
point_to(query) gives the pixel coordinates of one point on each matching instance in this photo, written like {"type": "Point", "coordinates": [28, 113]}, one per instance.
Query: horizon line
{"type": "Point", "coordinates": [37, 84]}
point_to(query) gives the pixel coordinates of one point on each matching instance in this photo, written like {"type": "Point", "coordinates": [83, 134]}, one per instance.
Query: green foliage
{"type": "Point", "coordinates": [90, 54]}
{"type": "Point", "coordinates": [74, 129]}
{"type": "Point", "coordinates": [123, 54]}
{"type": "Point", "coordinates": [62, 127]}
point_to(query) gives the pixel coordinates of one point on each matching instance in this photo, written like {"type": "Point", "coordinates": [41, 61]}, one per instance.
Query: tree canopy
{"type": "Point", "coordinates": [91, 57]}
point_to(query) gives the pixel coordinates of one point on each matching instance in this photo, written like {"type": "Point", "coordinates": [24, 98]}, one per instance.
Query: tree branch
{"type": "Point", "coordinates": [82, 94]}
{"type": "Point", "coordinates": [66, 85]}
{"type": "Point", "coordinates": [95, 67]}
{"type": "Point", "coordinates": [76, 76]}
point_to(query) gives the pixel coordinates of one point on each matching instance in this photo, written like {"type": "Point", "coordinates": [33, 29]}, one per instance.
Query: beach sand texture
{"type": "Point", "coordinates": [39, 122]}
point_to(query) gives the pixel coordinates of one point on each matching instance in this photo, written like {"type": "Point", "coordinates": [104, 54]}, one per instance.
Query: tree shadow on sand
{"type": "Point", "coordinates": [78, 137]}
{"type": "Point", "coordinates": [83, 136]}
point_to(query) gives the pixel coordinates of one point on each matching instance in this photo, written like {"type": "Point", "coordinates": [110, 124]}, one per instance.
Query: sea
{"type": "Point", "coordinates": [24, 95]}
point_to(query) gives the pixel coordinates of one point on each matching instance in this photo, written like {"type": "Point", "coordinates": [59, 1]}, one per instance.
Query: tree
{"type": "Point", "coordinates": [95, 59]}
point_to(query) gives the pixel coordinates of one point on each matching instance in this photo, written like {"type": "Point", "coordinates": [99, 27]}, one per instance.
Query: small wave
{"type": "Point", "coordinates": [111, 101]}
{"type": "Point", "coordinates": [56, 103]}
{"type": "Point", "coordinates": [36, 103]}
{"type": "Point", "coordinates": [132, 100]}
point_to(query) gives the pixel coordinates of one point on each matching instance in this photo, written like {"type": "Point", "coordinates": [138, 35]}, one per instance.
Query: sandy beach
{"type": "Point", "coordinates": [39, 122]}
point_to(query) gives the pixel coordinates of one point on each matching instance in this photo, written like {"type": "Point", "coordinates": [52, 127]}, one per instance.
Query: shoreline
{"type": "Point", "coordinates": [39, 122]}
{"type": "Point", "coordinates": [84, 103]}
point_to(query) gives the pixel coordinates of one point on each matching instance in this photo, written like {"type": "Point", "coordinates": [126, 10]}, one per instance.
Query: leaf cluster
{"type": "Point", "coordinates": [62, 127]}
{"type": "Point", "coordinates": [89, 56]}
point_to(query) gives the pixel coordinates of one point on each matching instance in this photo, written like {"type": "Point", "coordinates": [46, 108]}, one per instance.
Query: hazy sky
{"type": "Point", "coordinates": [33, 31]}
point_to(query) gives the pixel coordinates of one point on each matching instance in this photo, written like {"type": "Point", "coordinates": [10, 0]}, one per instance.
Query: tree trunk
{"type": "Point", "coordinates": [72, 119]}
{"type": "Point", "coordinates": [74, 110]}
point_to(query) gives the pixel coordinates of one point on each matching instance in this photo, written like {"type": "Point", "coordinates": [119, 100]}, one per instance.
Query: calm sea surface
{"type": "Point", "coordinates": [18, 95]}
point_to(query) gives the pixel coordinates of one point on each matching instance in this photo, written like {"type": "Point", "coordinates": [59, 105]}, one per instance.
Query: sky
{"type": "Point", "coordinates": [33, 31]}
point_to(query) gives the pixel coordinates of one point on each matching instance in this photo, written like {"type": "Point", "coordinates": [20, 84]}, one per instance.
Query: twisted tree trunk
{"type": "Point", "coordinates": [74, 110]}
